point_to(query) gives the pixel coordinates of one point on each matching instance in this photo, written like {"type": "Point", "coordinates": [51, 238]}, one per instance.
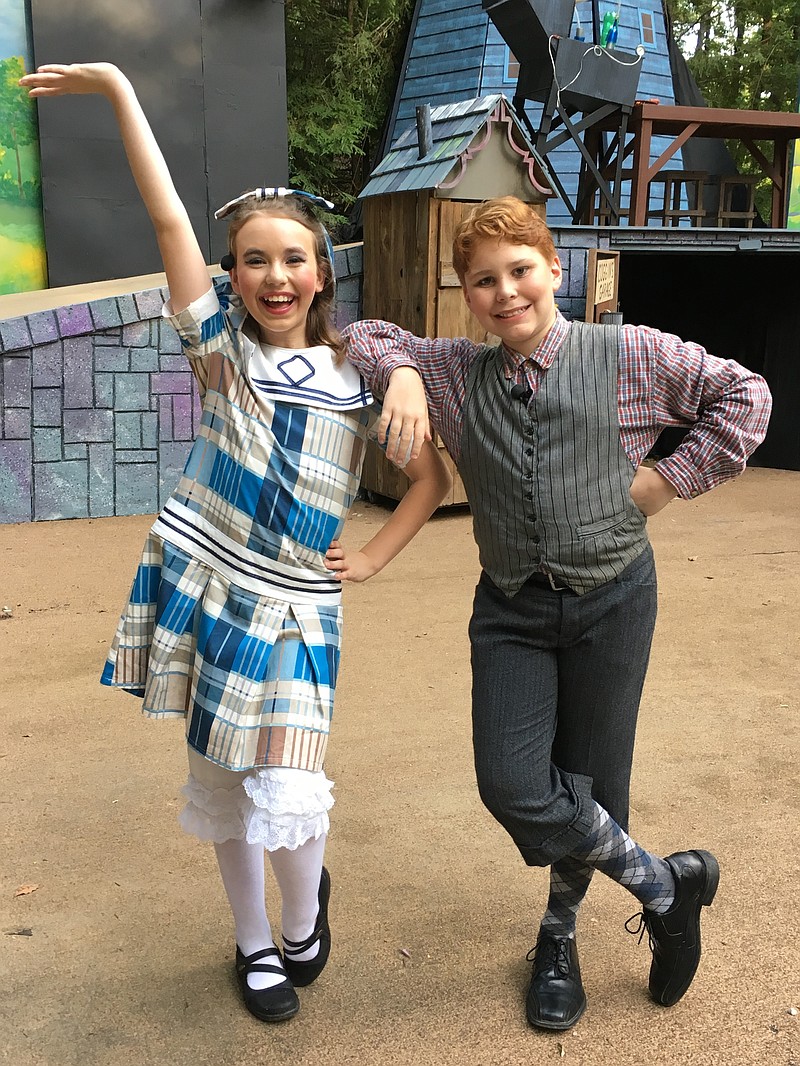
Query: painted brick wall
{"type": "Point", "coordinates": [98, 407]}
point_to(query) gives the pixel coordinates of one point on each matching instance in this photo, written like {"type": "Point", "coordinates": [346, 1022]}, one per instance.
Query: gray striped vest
{"type": "Point", "coordinates": [549, 483]}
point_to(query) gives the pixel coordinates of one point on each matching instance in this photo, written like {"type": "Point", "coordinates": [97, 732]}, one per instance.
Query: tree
{"type": "Point", "coordinates": [17, 113]}
{"type": "Point", "coordinates": [743, 53]}
{"type": "Point", "coordinates": [342, 58]}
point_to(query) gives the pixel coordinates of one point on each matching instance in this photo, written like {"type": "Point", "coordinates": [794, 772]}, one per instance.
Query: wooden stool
{"type": "Point", "coordinates": [727, 191]}
{"type": "Point", "coordinates": [604, 217]}
{"type": "Point", "coordinates": [677, 184]}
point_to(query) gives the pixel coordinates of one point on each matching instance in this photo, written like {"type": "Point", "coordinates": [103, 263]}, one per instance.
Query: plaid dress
{"type": "Point", "coordinates": [233, 622]}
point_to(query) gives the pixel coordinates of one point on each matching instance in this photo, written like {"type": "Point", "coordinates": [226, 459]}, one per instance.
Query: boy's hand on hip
{"type": "Point", "coordinates": [650, 491]}
{"type": "Point", "coordinates": [404, 422]}
{"type": "Point", "coordinates": [348, 565]}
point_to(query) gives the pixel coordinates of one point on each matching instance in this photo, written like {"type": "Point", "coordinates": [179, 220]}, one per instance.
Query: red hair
{"type": "Point", "coordinates": [505, 218]}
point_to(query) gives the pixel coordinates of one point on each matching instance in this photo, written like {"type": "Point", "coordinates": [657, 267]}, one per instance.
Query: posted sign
{"type": "Point", "coordinates": [602, 283]}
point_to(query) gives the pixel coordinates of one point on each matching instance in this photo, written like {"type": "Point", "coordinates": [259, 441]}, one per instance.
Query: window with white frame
{"type": "Point", "coordinates": [511, 72]}
{"type": "Point", "coordinates": [648, 28]}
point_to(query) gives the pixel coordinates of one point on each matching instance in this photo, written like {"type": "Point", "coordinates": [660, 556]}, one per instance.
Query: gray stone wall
{"type": "Point", "coordinates": [98, 407]}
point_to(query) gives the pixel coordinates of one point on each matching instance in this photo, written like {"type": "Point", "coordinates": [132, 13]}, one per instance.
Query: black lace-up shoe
{"type": "Point", "coordinates": [675, 935]}
{"type": "Point", "coordinates": [555, 999]}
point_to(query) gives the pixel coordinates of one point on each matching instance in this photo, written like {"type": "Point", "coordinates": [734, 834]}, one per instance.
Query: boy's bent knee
{"type": "Point", "coordinates": [545, 824]}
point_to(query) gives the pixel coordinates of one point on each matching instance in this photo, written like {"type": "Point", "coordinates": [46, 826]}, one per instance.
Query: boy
{"type": "Point", "coordinates": [548, 430]}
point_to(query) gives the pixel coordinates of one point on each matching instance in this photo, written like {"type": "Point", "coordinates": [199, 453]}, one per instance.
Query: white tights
{"type": "Point", "coordinates": [242, 812]}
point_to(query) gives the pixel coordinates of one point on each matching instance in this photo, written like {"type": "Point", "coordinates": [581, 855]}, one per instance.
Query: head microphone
{"type": "Point", "coordinates": [521, 392]}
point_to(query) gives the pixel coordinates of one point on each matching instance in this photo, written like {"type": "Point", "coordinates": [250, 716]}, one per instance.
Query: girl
{"type": "Point", "coordinates": [234, 619]}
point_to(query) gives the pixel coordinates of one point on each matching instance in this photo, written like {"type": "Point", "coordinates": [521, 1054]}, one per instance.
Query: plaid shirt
{"type": "Point", "coordinates": [663, 381]}
{"type": "Point", "coordinates": [277, 460]}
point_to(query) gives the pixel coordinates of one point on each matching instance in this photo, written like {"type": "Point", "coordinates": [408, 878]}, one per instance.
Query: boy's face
{"type": "Point", "coordinates": [510, 288]}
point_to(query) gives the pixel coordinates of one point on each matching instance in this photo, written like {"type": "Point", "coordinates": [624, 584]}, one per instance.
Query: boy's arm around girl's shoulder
{"type": "Point", "coordinates": [378, 348]}
{"type": "Point", "coordinates": [725, 405]}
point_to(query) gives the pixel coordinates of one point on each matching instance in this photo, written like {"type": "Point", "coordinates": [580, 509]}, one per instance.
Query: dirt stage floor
{"type": "Point", "coordinates": [128, 961]}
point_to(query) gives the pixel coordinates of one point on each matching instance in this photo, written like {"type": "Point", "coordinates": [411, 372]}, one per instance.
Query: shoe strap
{"type": "Point", "coordinates": [251, 964]}
{"type": "Point", "coordinates": [260, 967]}
{"type": "Point", "coordinates": [297, 947]}
{"type": "Point", "coordinates": [551, 951]}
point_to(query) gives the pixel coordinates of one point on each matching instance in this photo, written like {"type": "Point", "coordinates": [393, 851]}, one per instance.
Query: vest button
{"type": "Point", "coordinates": [536, 538]}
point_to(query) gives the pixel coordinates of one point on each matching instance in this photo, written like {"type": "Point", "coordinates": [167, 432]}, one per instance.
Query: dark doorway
{"type": "Point", "coordinates": [738, 305]}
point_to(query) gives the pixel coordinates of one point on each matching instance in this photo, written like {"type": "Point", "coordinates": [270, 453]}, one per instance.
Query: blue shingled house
{"type": "Point", "coordinates": [682, 278]}
{"type": "Point", "coordinates": [455, 53]}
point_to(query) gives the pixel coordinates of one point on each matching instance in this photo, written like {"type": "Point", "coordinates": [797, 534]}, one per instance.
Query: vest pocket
{"type": "Point", "coordinates": [603, 525]}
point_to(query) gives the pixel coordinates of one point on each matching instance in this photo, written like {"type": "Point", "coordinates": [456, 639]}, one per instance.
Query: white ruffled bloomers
{"type": "Point", "coordinates": [275, 806]}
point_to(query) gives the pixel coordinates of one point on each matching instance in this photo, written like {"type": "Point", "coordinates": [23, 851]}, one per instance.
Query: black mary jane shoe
{"type": "Point", "coordinates": [675, 935]}
{"type": "Point", "coordinates": [303, 973]}
{"type": "Point", "coordinates": [555, 999]}
{"type": "Point", "coordinates": [275, 1004]}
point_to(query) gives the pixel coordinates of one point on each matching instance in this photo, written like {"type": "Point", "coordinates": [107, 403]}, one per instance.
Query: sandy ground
{"type": "Point", "coordinates": [129, 961]}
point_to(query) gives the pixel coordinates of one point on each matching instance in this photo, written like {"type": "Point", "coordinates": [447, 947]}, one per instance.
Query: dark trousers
{"type": "Point", "coordinates": [556, 684]}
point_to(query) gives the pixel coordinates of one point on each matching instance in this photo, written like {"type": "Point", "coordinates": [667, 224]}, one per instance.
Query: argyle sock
{"type": "Point", "coordinates": [569, 882]}
{"type": "Point", "coordinates": [242, 868]}
{"type": "Point", "coordinates": [608, 848]}
{"type": "Point", "coordinates": [298, 874]}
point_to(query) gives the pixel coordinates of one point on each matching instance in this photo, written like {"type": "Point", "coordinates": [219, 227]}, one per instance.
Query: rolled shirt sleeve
{"type": "Point", "coordinates": [725, 405]}
{"type": "Point", "coordinates": [378, 348]}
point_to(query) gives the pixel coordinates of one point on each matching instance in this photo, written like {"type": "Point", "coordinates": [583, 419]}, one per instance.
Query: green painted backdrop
{"type": "Point", "coordinates": [23, 264]}
{"type": "Point", "coordinates": [793, 219]}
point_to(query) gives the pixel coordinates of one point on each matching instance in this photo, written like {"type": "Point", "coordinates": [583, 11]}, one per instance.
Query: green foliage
{"type": "Point", "coordinates": [342, 58]}
{"type": "Point", "coordinates": [743, 54]}
{"type": "Point", "coordinates": [18, 126]}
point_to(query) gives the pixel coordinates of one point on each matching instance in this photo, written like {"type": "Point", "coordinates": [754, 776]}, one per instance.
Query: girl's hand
{"type": "Point", "coordinates": [348, 566]}
{"type": "Point", "coordinates": [651, 491]}
{"type": "Point", "coordinates": [58, 79]}
{"type": "Point", "coordinates": [404, 423]}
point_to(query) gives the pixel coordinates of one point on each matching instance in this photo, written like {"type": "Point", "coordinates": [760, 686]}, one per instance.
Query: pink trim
{"type": "Point", "coordinates": [500, 114]}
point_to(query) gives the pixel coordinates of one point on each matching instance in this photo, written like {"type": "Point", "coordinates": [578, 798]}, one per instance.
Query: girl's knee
{"type": "Point", "coordinates": [212, 776]}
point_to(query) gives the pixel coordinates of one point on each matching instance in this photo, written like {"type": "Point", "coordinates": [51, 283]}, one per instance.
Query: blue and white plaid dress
{"type": "Point", "coordinates": [233, 621]}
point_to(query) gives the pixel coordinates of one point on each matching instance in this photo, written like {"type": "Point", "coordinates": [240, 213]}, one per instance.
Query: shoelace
{"type": "Point", "coordinates": [558, 952]}
{"type": "Point", "coordinates": [640, 928]}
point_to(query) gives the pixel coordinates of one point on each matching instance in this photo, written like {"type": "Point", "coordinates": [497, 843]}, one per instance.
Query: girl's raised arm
{"type": "Point", "coordinates": [187, 274]}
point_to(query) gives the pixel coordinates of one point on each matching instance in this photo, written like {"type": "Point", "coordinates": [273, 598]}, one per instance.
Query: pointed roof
{"type": "Point", "coordinates": [460, 131]}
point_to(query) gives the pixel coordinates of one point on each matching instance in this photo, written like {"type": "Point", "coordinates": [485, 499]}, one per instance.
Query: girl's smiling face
{"type": "Point", "coordinates": [510, 288]}
{"type": "Point", "coordinates": [277, 277]}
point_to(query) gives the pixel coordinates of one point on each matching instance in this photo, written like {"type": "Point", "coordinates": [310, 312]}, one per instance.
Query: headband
{"type": "Point", "coordinates": [272, 194]}
{"type": "Point", "coordinates": [227, 261]}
